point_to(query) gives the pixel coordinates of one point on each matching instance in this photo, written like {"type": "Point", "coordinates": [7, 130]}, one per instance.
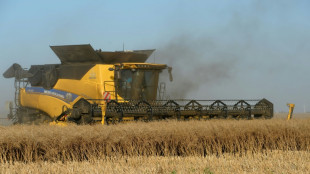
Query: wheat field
{"type": "Point", "coordinates": [212, 146]}
{"type": "Point", "coordinates": [271, 162]}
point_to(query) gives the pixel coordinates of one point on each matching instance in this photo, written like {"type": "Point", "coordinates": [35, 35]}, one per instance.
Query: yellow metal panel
{"type": "Point", "coordinates": [48, 104]}
{"type": "Point", "coordinates": [91, 85]}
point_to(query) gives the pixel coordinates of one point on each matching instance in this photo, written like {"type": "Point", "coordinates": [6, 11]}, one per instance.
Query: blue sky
{"type": "Point", "coordinates": [228, 49]}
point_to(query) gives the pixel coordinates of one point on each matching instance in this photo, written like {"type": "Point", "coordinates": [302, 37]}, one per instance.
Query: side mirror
{"type": "Point", "coordinates": [116, 71]}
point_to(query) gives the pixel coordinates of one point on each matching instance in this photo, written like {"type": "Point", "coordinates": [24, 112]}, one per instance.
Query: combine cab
{"type": "Point", "coordinates": [93, 86]}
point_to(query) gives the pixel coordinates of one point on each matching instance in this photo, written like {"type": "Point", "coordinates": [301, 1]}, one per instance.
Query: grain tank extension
{"type": "Point", "coordinates": [95, 86]}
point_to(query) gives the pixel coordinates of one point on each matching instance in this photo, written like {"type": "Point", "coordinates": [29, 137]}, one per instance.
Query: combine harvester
{"type": "Point", "coordinates": [92, 86]}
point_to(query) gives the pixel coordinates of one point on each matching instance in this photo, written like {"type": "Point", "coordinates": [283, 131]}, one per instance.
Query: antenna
{"type": "Point", "coordinates": [123, 47]}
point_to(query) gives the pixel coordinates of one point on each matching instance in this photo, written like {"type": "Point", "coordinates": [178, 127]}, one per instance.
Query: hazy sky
{"type": "Point", "coordinates": [226, 49]}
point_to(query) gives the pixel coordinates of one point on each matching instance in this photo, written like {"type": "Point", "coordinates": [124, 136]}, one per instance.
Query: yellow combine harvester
{"type": "Point", "coordinates": [93, 86]}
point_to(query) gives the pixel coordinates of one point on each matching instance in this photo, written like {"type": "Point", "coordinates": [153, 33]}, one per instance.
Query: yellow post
{"type": "Point", "coordinates": [291, 109]}
{"type": "Point", "coordinates": [103, 109]}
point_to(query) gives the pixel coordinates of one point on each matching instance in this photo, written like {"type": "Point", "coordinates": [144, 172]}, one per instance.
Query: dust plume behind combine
{"type": "Point", "coordinates": [195, 61]}
{"type": "Point", "coordinates": [244, 56]}
{"type": "Point", "coordinates": [4, 110]}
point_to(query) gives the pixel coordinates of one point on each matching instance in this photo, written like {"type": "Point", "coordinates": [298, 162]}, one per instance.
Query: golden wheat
{"type": "Point", "coordinates": [272, 162]}
{"type": "Point", "coordinates": [164, 138]}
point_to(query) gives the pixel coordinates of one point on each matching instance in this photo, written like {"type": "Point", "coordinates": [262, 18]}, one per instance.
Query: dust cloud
{"type": "Point", "coordinates": [195, 61]}
{"type": "Point", "coordinates": [4, 110]}
{"type": "Point", "coordinates": [248, 55]}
